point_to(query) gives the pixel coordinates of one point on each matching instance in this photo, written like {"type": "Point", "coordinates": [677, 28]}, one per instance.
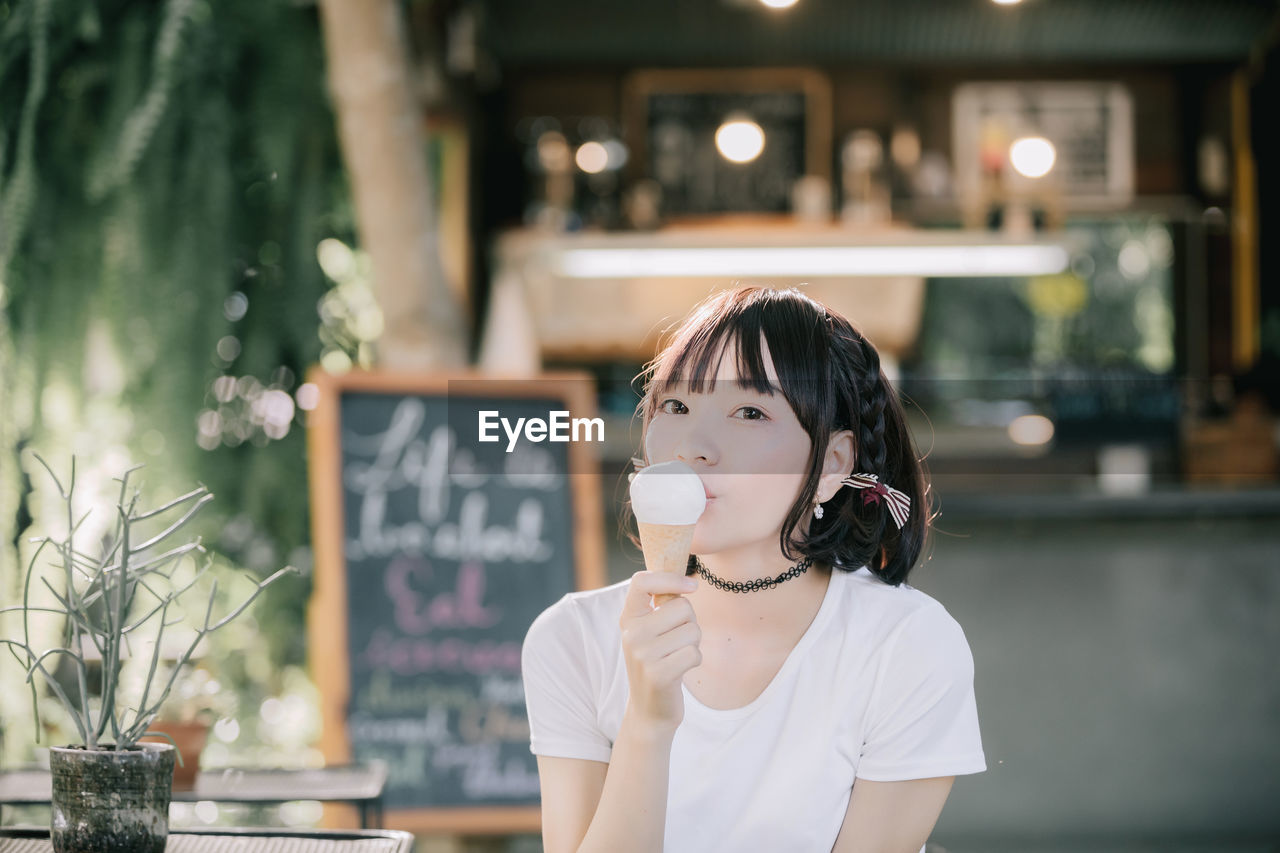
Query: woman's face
{"type": "Point", "coordinates": [749, 449]}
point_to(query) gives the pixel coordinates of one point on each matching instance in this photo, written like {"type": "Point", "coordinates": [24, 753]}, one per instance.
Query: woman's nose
{"type": "Point", "coordinates": [695, 444]}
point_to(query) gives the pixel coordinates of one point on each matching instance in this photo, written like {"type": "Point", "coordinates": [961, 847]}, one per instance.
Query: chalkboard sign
{"type": "Point", "coordinates": [434, 554]}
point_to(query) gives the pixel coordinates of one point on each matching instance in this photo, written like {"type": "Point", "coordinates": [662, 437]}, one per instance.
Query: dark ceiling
{"type": "Point", "coordinates": [743, 32]}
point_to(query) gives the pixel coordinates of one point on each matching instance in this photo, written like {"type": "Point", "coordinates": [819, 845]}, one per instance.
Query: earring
{"type": "Point", "coordinates": [817, 508]}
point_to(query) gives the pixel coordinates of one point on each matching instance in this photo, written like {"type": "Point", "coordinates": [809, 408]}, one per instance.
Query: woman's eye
{"type": "Point", "coordinates": [672, 407]}
{"type": "Point", "coordinates": [751, 413]}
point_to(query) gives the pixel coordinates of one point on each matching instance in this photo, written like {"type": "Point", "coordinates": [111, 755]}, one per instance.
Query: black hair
{"type": "Point", "coordinates": [830, 375]}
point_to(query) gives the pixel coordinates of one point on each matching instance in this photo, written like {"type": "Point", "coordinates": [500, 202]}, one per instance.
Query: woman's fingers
{"type": "Point", "coordinates": [686, 634]}
{"type": "Point", "coordinates": [647, 584]}
{"type": "Point", "coordinates": [672, 667]}
{"type": "Point", "coordinates": [643, 631]}
{"type": "Point", "coordinates": [659, 645]}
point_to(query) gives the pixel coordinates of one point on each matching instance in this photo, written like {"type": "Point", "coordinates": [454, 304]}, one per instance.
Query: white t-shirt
{"type": "Point", "coordinates": [880, 687]}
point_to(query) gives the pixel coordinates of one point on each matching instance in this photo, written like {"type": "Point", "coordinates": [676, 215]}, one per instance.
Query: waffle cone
{"type": "Point", "coordinates": [666, 546]}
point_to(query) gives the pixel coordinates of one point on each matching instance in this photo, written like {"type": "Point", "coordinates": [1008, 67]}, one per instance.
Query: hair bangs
{"type": "Point", "coordinates": [693, 358]}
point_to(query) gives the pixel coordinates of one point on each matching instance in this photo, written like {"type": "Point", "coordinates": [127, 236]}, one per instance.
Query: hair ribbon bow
{"type": "Point", "coordinates": [899, 503]}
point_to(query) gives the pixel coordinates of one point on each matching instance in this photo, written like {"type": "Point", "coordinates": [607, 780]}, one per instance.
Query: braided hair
{"type": "Point", "coordinates": [830, 375]}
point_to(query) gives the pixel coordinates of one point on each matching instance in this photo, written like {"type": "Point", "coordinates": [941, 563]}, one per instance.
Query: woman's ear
{"type": "Point", "coordinates": [837, 464]}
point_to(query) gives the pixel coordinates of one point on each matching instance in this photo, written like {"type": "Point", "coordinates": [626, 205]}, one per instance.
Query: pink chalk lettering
{"type": "Point", "coordinates": [462, 607]}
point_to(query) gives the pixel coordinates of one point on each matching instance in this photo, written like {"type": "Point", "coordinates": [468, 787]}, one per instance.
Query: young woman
{"type": "Point", "coordinates": [797, 695]}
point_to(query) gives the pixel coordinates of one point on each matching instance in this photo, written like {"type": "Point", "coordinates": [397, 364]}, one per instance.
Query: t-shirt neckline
{"type": "Point", "coordinates": [811, 633]}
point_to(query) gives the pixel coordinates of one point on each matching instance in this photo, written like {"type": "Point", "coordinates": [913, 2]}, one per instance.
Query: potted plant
{"type": "Point", "coordinates": [196, 703]}
{"type": "Point", "coordinates": [111, 792]}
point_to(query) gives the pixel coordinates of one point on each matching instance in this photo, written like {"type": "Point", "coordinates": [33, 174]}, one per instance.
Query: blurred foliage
{"type": "Point", "coordinates": [1112, 311]}
{"type": "Point", "coordinates": [167, 170]}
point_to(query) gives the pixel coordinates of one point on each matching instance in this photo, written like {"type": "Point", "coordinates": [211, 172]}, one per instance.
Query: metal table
{"type": "Point", "coordinates": [235, 840]}
{"type": "Point", "coordinates": [358, 784]}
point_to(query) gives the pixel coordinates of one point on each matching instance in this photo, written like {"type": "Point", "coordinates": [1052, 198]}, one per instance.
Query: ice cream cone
{"type": "Point", "coordinates": [666, 549]}
{"type": "Point", "coordinates": [668, 499]}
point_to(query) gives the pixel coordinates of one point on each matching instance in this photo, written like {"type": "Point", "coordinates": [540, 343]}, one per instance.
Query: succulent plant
{"type": "Point", "coordinates": [124, 591]}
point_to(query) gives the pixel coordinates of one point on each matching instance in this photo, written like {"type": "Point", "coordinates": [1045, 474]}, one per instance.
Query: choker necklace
{"type": "Point", "coordinates": [751, 586]}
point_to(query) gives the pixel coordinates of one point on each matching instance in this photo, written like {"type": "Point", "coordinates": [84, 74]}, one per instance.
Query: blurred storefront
{"type": "Point", "coordinates": [1115, 140]}
{"type": "Point", "coordinates": [1058, 219]}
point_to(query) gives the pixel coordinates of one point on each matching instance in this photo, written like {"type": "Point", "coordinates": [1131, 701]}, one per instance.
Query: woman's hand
{"type": "Point", "coordinates": [659, 646]}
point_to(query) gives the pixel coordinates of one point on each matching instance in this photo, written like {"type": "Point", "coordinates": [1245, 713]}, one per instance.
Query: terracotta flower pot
{"type": "Point", "coordinates": [111, 802]}
{"type": "Point", "coordinates": [190, 739]}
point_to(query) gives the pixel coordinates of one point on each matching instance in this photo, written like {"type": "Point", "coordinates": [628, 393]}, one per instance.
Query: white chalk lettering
{"type": "Point", "coordinates": [430, 464]}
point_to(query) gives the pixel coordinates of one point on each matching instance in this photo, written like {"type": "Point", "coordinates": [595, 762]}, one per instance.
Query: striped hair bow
{"type": "Point", "coordinates": [899, 503]}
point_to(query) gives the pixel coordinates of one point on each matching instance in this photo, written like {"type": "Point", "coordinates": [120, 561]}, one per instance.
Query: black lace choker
{"type": "Point", "coordinates": [759, 583]}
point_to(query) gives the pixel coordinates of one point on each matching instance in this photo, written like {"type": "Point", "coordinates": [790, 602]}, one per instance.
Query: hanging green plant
{"type": "Point", "coordinates": [167, 171]}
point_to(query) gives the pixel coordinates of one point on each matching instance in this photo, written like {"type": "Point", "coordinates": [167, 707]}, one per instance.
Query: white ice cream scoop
{"type": "Point", "coordinates": [667, 499]}
{"type": "Point", "coordinates": [668, 493]}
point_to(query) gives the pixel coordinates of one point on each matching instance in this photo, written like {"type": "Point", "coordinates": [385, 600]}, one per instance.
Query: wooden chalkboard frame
{"type": "Point", "coordinates": [327, 611]}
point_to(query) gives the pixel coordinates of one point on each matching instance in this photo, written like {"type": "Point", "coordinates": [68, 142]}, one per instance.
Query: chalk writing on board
{"type": "Point", "coordinates": [417, 611]}
{"type": "Point", "coordinates": [448, 551]}
{"type": "Point", "coordinates": [434, 554]}
{"type": "Point", "coordinates": [434, 467]}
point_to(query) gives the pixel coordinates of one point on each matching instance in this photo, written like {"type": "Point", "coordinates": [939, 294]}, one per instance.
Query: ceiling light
{"type": "Point", "coordinates": [740, 140]}
{"type": "Point", "coordinates": [592, 158]}
{"type": "Point", "coordinates": [1032, 156]}
{"type": "Point", "coordinates": [1031, 430]}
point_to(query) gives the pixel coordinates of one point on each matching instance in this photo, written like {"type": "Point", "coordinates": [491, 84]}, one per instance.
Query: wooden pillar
{"type": "Point", "coordinates": [1245, 299]}
{"type": "Point", "coordinates": [380, 131]}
